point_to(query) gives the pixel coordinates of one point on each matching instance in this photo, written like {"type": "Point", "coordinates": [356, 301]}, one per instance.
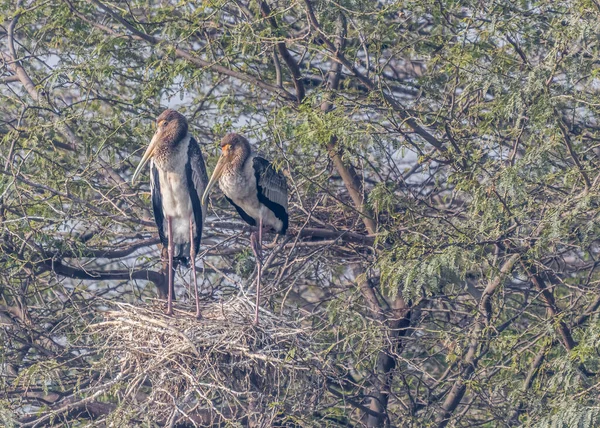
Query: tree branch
{"type": "Point", "coordinates": [179, 52]}
{"type": "Point", "coordinates": [338, 56]}
{"type": "Point", "coordinates": [571, 150]}
{"type": "Point", "coordinates": [469, 361]}
{"type": "Point", "coordinates": [308, 232]}
{"type": "Point", "coordinates": [284, 52]}
{"type": "Point", "coordinates": [347, 172]}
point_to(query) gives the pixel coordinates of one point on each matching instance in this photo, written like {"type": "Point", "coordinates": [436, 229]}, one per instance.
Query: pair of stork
{"type": "Point", "coordinates": [179, 186]}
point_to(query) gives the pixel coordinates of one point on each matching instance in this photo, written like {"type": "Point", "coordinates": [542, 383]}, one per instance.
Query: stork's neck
{"type": "Point", "coordinates": [172, 155]}
{"type": "Point", "coordinates": [240, 156]}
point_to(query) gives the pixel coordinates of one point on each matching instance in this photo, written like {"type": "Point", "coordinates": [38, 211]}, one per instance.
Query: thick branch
{"type": "Point", "coordinates": [13, 62]}
{"type": "Point", "coordinates": [553, 311]}
{"type": "Point", "coordinates": [572, 152]}
{"type": "Point", "coordinates": [347, 172]}
{"type": "Point", "coordinates": [531, 374]}
{"type": "Point", "coordinates": [10, 79]}
{"type": "Point", "coordinates": [397, 327]}
{"type": "Point", "coordinates": [308, 232]}
{"type": "Point", "coordinates": [469, 361]}
{"type": "Point", "coordinates": [485, 303]}
{"type": "Point", "coordinates": [112, 253]}
{"type": "Point", "coordinates": [144, 274]}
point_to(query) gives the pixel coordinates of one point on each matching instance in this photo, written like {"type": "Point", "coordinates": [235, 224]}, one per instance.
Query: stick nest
{"type": "Point", "coordinates": [183, 371]}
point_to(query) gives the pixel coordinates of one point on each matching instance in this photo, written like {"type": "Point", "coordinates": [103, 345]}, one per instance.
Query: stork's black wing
{"type": "Point", "coordinates": [157, 209]}
{"type": "Point", "coordinates": [197, 179]}
{"type": "Point", "coordinates": [243, 214]}
{"type": "Point", "coordinates": [272, 190]}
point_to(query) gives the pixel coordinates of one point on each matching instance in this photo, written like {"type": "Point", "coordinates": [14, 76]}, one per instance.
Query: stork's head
{"type": "Point", "coordinates": [233, 145]}
{"type": "Point", "coordinates": [171, 129]}
{"type": "Point", "coordinates": [234, 148]}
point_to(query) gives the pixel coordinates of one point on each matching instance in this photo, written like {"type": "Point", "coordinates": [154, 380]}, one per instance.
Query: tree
{"type": "Point", "coordinates": [440, 268]}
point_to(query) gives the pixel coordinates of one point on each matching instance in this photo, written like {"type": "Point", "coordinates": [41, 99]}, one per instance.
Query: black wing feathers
{"type": "Point", "coordinates": [242, 213]}
{"type": "Point", "coordinates": [195, 154]}
{"type": "Point", "coordinates": [157, 204]}
{"type": "Point", "coordinates": [272, 190]}
{"type": "Point", "coordinates": [195, 171]}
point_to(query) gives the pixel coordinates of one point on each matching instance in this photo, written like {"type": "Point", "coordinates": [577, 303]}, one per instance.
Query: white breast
{"type": "Point", "coordinates": [240, 187]}
{"type": "Point", "coordinates": [176, 202]}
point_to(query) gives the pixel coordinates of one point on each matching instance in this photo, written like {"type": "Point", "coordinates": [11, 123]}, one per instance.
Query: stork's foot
{"type": "Point", "coordinates": [198, 315]}
{"type": "Point", "coordinates": [169, 309]}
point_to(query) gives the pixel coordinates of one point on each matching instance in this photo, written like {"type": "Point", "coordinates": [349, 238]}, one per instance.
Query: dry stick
{"type": "Point", "coordinates": [292, 248]}
{"type": "Point", "coordinates": [73, 405]}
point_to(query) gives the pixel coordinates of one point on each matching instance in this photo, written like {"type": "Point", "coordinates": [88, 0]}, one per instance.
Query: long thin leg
{"type": "Point", "coordinates": [260, 228]}
{"type": "Point", "coordinates": [193, 262]}
{"type": "Point", "coordinates": [258, 254]}
{"type": "Point", "coordinates": [170, 251]}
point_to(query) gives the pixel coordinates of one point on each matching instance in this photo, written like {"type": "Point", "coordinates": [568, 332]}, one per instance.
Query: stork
{"type": "Point", "coordinates": [255, 189]}
{"type": "Point", "coordinates": [177, 181]}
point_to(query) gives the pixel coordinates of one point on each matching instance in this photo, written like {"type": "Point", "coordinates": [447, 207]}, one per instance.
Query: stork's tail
{"type": "Point", "coordinates": [183, 261]}
{"type": "Point", "coordinates": [180, 257]}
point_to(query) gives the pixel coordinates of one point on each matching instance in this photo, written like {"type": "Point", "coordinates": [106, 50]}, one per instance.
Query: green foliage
{"type": "Point", "coordinates": [571, 415]}
{"type": "Point", "coordinates": [461, 133]}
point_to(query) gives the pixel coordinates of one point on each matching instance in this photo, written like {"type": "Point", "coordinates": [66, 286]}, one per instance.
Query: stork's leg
{"type": "Point", "coordinates": [170, 251]}
{"type": "Point", "coordinates": [193, 262]}
{"type": "Point", "coordinates": [256, 239]}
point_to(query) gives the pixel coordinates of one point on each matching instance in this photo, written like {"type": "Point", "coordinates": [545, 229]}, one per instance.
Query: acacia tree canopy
{"type": "Point", "coordinates": [442, 163]}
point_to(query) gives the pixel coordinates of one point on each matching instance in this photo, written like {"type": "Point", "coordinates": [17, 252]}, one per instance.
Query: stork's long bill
{"type": "Point", "coordinates": [147, 155]}
{"type": "Point", "coordinates": [216, 173]}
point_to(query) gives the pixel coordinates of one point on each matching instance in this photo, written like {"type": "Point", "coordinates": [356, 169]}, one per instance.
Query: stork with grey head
{"type": "Point", "coordinates": [255, 189]}
{"type": "Point", "coordinates": [178, 180]}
